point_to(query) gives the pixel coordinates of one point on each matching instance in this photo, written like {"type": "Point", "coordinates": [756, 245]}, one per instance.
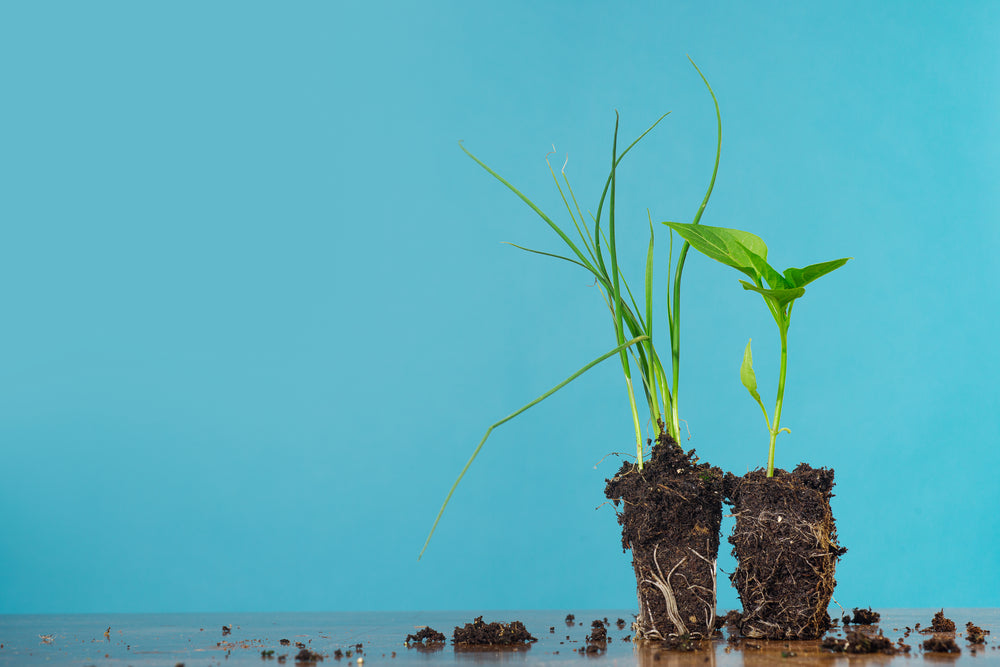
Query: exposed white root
{"type": "Point", "coordinates": [662, 584]}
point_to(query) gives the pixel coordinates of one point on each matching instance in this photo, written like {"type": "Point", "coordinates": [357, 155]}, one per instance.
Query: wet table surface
{"type": "Point", "coordinates": [197, 639]}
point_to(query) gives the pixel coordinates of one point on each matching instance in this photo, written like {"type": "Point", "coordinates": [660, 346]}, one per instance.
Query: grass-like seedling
{"type": "Point", "coordinates": [747, 253]}
{"type": "Point", "coordinates": [595, 250]}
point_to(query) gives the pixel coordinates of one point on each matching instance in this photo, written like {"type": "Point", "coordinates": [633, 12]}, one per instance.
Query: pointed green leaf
{"type": "Point", "coordinates": [747, 376]}
{"type": "Point", "coordinates": [802, 277]}
{"type": "Point", "coordinates": [774, 279]}
{"type": "Point", "coordinates": [749, 379]}
{"type": "Point", "coordinates": [779, 296]}
{"type": "Point", "coordinates": [732, 247]}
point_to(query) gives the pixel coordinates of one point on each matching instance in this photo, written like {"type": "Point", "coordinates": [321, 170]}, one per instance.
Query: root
{"type": "Point", "coordinates": [662, 584]}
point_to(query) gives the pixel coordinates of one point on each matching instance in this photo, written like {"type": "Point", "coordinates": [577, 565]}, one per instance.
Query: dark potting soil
{"type": "Point", "coordinates": [479, 633]}
{"type": "Point", "coordinates": [426, 636]}
{"type": "Point", "coordinates": [858, 641]}
{"type": "Point", "coordinates": [597, 640]}
{"type": "Point", "coordinates": [785, 544]}
{"type": "Point", "coordinates": [862, 617]}
{"type": "Point", "coordinates": [940, 624]}
{"type": "Point", "coordinates": [671, 512]}
{"type": "Point", "coordinates": [941, 645]}
{"type": "Point", "coordinates": [975, 634]}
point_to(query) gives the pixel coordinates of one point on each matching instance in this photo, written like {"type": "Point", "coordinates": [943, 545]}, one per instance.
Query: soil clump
{"type": "Point", "coordinates": [479, 633]}
{"type": "Point", "coordinates": [938, 644]}
{"type": "Point", "coordinates": [671, 512]}
{"type": "Point", "coordinates": [785, 544]}
{"type": "Point", "coordinates": [940, 624]}
{"type": "Point", "coordinates": [862, 617]}
{"type": "Point", "coordinates": [861, 642]}
{"type": "Point", "coordinates": [426, 636]}
{"type": "Point", "coordinates": [975, 634]}
{"type": "Point", "coordinates": [597, 640]}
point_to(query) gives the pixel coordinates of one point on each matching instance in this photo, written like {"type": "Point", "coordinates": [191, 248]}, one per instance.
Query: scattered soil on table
{"type": "Point", "coordinates": [940, 624]}
{"type": "Point", "coordinates": [479, 633]}
{"type": "Point", "coordinates": [975, 634]}
{"type": "Point", "coordinates": [858, 641]}
{"type": "Point", "coordinates": [671, 512]}
{"type": "Point", "coordinates": [862, 617]}
{"type": "Point", "coordinates": [785, 544]}
{"type": "Point", "coordinates": [938, 644]}
{"type": "Point", "coordinates": [426, 637]}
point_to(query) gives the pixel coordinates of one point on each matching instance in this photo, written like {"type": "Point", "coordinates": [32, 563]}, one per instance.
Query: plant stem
{"type": "Point", "coordinates": [776, 428]}
{"type": "Point", "coordinates": [635, 421]}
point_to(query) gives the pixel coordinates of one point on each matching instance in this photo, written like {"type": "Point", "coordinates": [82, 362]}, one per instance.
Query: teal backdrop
{"type": "Point", "coordinates": [256, 309]}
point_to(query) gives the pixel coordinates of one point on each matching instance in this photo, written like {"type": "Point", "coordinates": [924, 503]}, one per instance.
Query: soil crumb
{"type": "Point", "coordinates": [479, 633]}
{"type": "Point", "coordinates": [597, 640]}
{"type": "Point", "coordinates": [860, 642]}
{"type": "Point", "coordinates": [620, 623]}
{"type": "Point", "coordinates": [570, 618]}
{"type": "Point", "coordinates": [939, 624]}
{"type": "Point", "coordinates": [941, 645]}
{"type": "Point", "coordinates": [426, 636]}
{"type": "Point", "coordinates": [975, 634]}
{"type": "Point", "coordinates": [865, 617]}
{"type": "Point", "coordinates": [305, 655]}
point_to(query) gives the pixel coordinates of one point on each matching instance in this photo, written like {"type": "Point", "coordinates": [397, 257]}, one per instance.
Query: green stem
{"type": "Point", "coordinates": [776, 428]}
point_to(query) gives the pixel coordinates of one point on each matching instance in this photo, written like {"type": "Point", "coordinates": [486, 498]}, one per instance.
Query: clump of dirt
{"type": "Point", "coordinates": [975, 634]}
{"type": "Point", "coordinates": [305, 655]}
{"type": "Point", "coordinates": [863, 617]}
{"type": "Point", "coordinates": [620, 623]}
{"type": "Point", "coordinates": [597, 640]}
{"type": "Point", "coordinates": [671, 511]}
{"type": "Point", "coordinates": [479, 633]}
{"type": "Point", "coordinates": [785, 544]}
{"type": "Point", "coordinates": [939, 624]}
{"type": "Point", "coordinates": [570, 618]}
{"type": "Point", "coordinates": [425, 637]}
{"type": "Point", "coordinates": [861, 642]}
{"type": "Point", "coordinates": [938, 644]}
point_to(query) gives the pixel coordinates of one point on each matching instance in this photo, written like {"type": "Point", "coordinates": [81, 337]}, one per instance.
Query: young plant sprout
{"type": "Point", "coordinates": [747, 253]}
{"type": "Point", "coordinates": [595, 250]}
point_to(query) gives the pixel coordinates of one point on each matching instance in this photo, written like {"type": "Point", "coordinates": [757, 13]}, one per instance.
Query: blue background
{"type": "Point", "coordinates": [256, 309]}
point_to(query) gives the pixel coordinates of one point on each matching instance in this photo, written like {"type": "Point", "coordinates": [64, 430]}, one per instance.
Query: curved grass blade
{"type": "Point", "coordinates": [535, 402]}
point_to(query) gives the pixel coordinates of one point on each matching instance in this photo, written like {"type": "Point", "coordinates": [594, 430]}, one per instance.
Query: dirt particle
{"type": "Point", "coordinates": [305, 655]}
{"type": "Point", "coordinates": [859, 642]}
{"type": "Point", "coordinates": [426, 637]}
{"type": "Point", "coordinates": [941, 645]}
{"type": "Point", "coordinates": [479, 633]}
{"type": "Point", "coordinates": [865, 616]}
{"type": "Point", "coordinates": [975, 634]}
{"type": "Point", "coordinates": [939, 624]}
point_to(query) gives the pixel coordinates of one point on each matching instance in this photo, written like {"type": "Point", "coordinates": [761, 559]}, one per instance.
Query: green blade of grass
{"type": "Point", "coordinates": [608, 355]}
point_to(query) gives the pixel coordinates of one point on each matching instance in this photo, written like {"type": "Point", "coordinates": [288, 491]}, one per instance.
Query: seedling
{"type": "Point", "coordinates": [597, 252]}
{"type": "Point", "coordinates": [747, 253]}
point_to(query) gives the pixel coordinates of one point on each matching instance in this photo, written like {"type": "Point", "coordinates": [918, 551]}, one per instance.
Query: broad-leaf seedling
{"type": "Point", "coordinates": [747, 253]}
{"type": "Point", "coordinates": [595, 250]}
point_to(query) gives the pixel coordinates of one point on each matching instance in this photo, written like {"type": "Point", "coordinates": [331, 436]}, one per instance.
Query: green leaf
{"type": "Point", "coordinates": [731, 247]}
{"type": "Point", "coordinates": [774, 279]}
{"type": "Point", "coordinates": [475, 453]}
{"type": "Point", "coordinates": [802, 277]}
{"type": "Point", "coordinates": [779, 296]}
{"type": "Point", "coordinates": [749, 379]}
